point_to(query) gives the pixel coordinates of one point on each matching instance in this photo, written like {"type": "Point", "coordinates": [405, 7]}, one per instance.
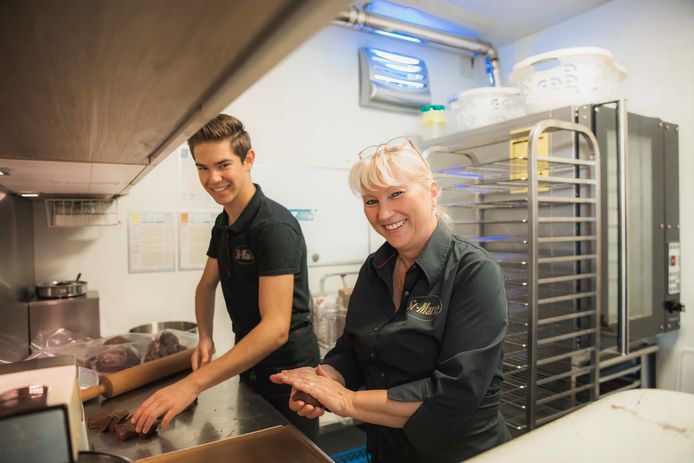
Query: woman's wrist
{"type": "Point", "coordinates": [351, 404]}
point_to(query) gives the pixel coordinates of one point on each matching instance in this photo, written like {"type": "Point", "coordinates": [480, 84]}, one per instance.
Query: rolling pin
{"type": "Point", "coordinates": [131, 378]}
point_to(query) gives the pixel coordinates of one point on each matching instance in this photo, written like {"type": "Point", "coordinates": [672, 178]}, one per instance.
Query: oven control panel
{"type": "Point", "coordinates": [673, 268]}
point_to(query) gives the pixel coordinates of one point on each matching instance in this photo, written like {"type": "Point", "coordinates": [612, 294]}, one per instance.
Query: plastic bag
{"type": "Point", "coordinates": [103, 355]}
{"type": "Point", "coordinates": [168, 341]}
{"type": "Point", "coordinates": [115, 353]}
{"type": "Point", "coordinates": [61, 342]}
{"type": "Point", "coordinates": [12, 349]}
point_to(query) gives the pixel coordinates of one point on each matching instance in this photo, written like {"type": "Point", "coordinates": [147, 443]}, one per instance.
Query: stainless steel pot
{"type": "Point", "coordinates": [61, 288]}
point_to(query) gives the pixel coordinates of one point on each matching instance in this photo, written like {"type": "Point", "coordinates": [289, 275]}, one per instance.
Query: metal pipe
{"type": "Point", "coordinates": [623, 300]}
{"type": "Point", "coordinates": [533, 273]}
{"type": "Point", "coordinates": [357, 18]}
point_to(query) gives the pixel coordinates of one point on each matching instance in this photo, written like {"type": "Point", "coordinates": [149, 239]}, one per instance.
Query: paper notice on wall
{"type": "Point", "coordinates": [194, 232]}
{"type": "Point", "coordinates": [151, 241]}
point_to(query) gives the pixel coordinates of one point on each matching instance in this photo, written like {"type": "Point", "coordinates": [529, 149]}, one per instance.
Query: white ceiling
{"type": "Point", "coordinates": [504, 21]}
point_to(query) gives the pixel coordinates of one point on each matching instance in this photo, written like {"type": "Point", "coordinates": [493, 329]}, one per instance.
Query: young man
{"type": "Point", "coordinates": [258, 253]}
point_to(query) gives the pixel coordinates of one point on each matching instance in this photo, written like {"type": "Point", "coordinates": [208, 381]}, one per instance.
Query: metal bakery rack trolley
{"type": "Point", "coordinates": [527, 191]}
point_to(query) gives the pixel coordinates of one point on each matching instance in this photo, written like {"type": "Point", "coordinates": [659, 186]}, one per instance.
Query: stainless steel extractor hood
{"type": "Point", "coordinates": [95, 93]}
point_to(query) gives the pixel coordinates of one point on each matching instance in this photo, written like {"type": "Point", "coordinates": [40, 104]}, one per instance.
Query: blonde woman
{"type": "Point", "coordinates": [420, 360]}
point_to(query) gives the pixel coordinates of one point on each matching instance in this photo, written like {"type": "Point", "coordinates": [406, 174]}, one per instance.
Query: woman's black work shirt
{"type": "Point", "coordinates": [265, 240]}
{"type": "Point", "coordinates": [443, 347]}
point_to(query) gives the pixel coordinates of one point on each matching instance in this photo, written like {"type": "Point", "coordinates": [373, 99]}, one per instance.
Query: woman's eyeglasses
{"type": "Point", "coordinates": [393, 144]}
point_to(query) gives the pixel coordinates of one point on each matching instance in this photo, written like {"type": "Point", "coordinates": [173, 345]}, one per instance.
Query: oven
{"type": "Point", "coordinates": [579, 205]}
{"type": "Point", "coordinates": [641, 232]}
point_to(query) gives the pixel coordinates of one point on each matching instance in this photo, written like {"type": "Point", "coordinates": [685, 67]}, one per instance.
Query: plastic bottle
{"type": "Point", "coordinates": [433, 121]}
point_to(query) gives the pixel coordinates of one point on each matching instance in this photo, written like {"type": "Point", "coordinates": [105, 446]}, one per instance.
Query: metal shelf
{"type": "Point", "coordinates": [545, 394]}
{"type": "Point", "coordinates": [546, 294]}
{"type": "Point", "coordinates": [547, 374]}
{"type": "Point", "coordinates": [517, 203]}
{"type": "Point", "coordinates": [517, 418]}
{"type": "Point", "coordinates": [547, 334]}
{"type": "Point", "coordinates": [517, 359]}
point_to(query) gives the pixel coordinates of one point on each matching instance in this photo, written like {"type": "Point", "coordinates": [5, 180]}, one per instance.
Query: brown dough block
{"type": "Point", "coordinates": [116, 340]}
{"type": "Point", "coordinates": [95, 422]}
{"type": "Point", "coordinates": [166, 344]}
{"type": "Point", "coordinates": [116, 359]}
{"type": "Point", "coordinates": [117, 418]}
{"type": "Point", "coordinates": [125, 431]}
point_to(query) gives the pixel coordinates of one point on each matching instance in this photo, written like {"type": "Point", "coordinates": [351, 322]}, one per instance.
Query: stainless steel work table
{"type": "Point", "coordinates": [226, 410]}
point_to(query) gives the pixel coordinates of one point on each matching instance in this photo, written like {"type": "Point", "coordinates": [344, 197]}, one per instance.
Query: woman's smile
{"type": "Point", "coordinates": [395, 226]}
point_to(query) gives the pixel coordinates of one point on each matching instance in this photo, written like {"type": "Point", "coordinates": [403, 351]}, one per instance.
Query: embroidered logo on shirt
{"type": "Point", "coordinates": [244, 255]}
{"type": "Point", "coordinates": [424, 308]}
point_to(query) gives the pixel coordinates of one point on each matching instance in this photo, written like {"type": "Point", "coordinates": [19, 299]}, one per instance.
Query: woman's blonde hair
{"type": "Point", "coordinates": [376, 173]}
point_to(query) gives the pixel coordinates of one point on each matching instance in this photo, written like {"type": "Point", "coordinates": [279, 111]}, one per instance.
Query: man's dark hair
{"type": "Point", "coordinates": [223, 127]}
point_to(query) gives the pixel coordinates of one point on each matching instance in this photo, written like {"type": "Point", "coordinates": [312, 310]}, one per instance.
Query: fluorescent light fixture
{"type": "Point", "coordinates": [397, 35]}
{"type": "Point", "coordinates": [399, 82]}
{"type": "Point", "coordinates": [29, 195]}
{"type": "Point", "coordinates": [395, 57]}
{"type": "Point", "coordinates": [403, 67]}
{"type": "Point", "coordinates": [392, 81]}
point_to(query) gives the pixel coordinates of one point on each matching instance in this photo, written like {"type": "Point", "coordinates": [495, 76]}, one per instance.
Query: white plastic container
{"type": "Point", "coordinates": [569, 76]}
{"type": "Point", "coordinates": [485, 105]}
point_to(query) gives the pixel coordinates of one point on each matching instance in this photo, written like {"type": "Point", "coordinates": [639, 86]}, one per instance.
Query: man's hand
{"type": "Point", "coordinates": [202, 354]}
{"type": "Point", "coordinates": [168, 401]}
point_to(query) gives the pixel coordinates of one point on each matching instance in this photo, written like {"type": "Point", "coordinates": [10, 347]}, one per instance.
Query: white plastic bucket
{"type": "Point", "coordinates": [568, 76]}
{"type": "Point", "coordinates": [485, 105]}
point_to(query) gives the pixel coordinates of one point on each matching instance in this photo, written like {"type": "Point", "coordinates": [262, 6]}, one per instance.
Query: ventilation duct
{"type": "Point", "coordinates": [359, 19]}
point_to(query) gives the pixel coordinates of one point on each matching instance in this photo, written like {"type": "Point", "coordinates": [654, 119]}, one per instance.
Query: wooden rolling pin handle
{"type": "Point", "coordinates": [131, 378]}
{"type": "Point", "coordinates": [91, 392]}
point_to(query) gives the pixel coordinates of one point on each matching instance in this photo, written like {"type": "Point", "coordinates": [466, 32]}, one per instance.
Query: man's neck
{"type": "Point", "coordinates": [237, 206]}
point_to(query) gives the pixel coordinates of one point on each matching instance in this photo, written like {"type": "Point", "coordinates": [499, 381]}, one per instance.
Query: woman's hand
{"type": "Point", "coordinates": [168, 401]}
{"type": "Point", "coordinates": [202, 354]}
{"type": "Point", "coordinates": [303, 406]}
{"type": "Point", "coordinates": [316, 382]}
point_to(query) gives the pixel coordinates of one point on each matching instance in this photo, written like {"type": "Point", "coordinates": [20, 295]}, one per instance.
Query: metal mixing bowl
{"type": "Point", "coordinates": [155, 327]}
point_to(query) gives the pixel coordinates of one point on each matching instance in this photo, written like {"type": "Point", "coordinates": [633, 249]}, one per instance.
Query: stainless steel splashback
{"type": "Point", "coordinates": [79, 315]}
{"type": "Point", "coordinates": [16, 275]}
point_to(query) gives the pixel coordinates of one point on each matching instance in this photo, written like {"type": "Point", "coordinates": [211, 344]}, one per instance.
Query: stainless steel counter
{"type": "Point", "coordinates": [226, 410]}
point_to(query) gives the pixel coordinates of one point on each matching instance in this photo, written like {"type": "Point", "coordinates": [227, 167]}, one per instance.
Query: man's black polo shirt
{"type": "Point", "coordinates": [443, 347]}
{"type": "Point", "coordinates": [265, 240]}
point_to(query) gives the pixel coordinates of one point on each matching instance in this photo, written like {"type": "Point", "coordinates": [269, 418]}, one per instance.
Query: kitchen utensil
{"type": "Point", "coordinates": [62, 288]}
{"type": "Point", "coordinates": [100, 457]}
{"type": "Point", "coordinates": [131, 378]}
{"type": "Point", "coordinates": [155, 327]}
{"type": "Point", "coordinates": [280, 443]}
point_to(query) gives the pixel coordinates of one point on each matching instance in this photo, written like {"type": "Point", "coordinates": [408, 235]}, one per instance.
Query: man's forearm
{"type": "Point", "coordinates": [204, 311]}
{"type": "Point", "coordinates": [257, 345]}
